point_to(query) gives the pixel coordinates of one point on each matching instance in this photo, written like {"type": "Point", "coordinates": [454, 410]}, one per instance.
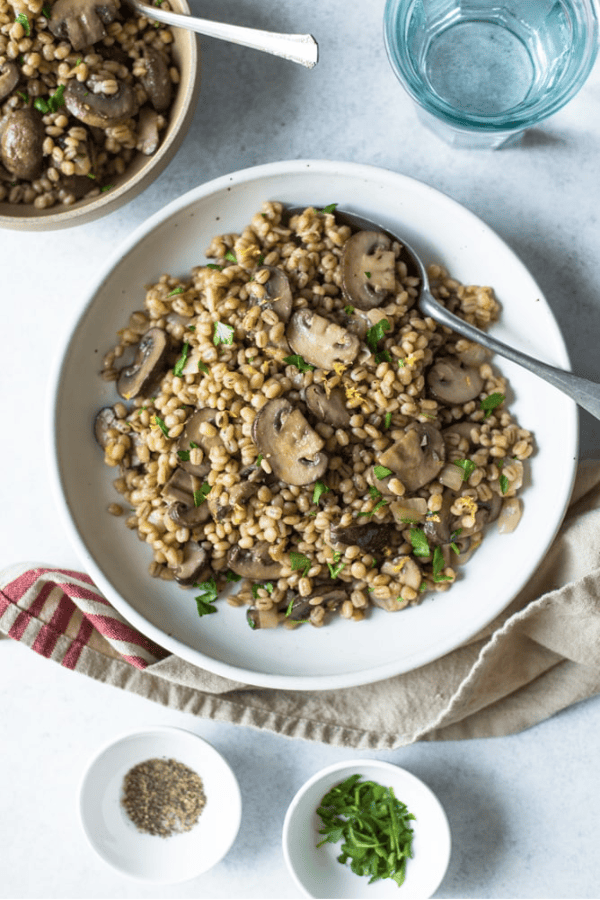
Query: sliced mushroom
{"type": "Point", "coordinates": [319, 341]}
{"type": "Point", "coordinates": [288, 443]}
{"type": "Point", "coordinates": [156, 81]}
{"type": "Point", "coordinates": [409, 511]}
{"type": "Point", "coordinates": [417, 457]}
{"type": "Point", "coordinates": [97, 109]}
{"type": "Point", "coordinates": [277, 292]}
{"type": "Point", "coordinates": [81, 22]}
{"type": "Point", "coordinates": [21, 144]}
{"type": "Point", "coordinates": [440, 526]}
{"type": "Point", "coordinates": [148, 136]}
{"type": "Point", "coordinates": [368, 267]}
{"type": "Point", "coordinates": [510, 515]}
{"type": "Point", "coordinates": [256, 563]}
{"type": "Point", "coordinates": [372, 538]}
{"type": "Point", "coordinates": [179, 494]}
{"type": "Point", "coordinates": [262, 618]}
{"type": "Point", "coordinates": [330, 409]}
{"type": "Point", "coordinates": [150, 360]}
{"type": "Point", "coordinates": [237, 496]}
{"type": "Point", "coordinates": [405, 570]}
{"type": "Point", "coordinates": [192, 436]}
{"type": "Point", "coordinates": [452, 383]}
{"type": "Point", "coordinates": [194, 566]}
{"type": "Point", "coordinates": [10, 75]}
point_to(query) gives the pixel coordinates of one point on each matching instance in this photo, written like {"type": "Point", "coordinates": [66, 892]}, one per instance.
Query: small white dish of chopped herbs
{"type": "Point", "coordinates": [366, 828]}
{"type": "Point", "coordinates": [160, 805]}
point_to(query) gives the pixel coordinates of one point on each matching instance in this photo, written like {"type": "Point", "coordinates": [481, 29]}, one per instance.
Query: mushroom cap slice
{"type": "Point", "coordinates": [156, 81]}
{"type": "Point", "coordinates": [100, 110]}
{"type": "Point", "coordinates": [368, 269]}
{"type": "Point", "coordinates": [330, 409]}
{"type": "Point", "coordinates": [150, 360]}
{"type": "Point", "coordinates": [319, 341]}
{"type": "Point", "coordinates": [278, 293]}
{"type": "Point", "coordinates": [81, 22]}
{"type": "Point", "coordinates": [372, 538]}
{"type": "Point", "coordinates": [179, 494]}
{"type": "Point", "coordinates": [194, 566]}
{"type": "Point", "coordinates": [255, 563]}
{"type": "Point", "coordinates": [10, 75]}
{"type": "Point", "coordinates": [288, 443]}
{"type": "Point", "coordinates": [192, 436]}
{"type": "Point", "coordinates": [21, 144]}
{"type": "Point", "coordinates": [238, 494]}
{"type": "Point", "coordinates": [417, 457]}
{"type": "Point", "coordinates": [148, 136]}
{"type": "Point", "coordinates": [452, 383]}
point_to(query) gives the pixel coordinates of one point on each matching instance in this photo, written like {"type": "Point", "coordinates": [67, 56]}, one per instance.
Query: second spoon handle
{"type": "Point", "coordinates": [584, 392]}
{"type": "Point", "coordinates": [298, 48]}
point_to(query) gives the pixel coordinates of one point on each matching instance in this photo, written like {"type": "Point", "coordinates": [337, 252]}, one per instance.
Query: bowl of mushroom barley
{"type": "Point", "coordinates": [95, 100]}
{"type": "Point", "coordinates": [273, 464]}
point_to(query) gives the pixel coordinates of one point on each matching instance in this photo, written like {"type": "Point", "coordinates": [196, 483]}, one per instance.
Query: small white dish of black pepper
{"type": "Point", "coordinates": [160, 805]}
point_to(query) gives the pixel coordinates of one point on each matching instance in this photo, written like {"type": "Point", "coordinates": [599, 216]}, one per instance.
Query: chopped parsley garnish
{"type": "Point", "coordinates": [504, 484]}
{"type": "Point", "coordinates": [223, 334]}
{"type": "Point", "coordinates": [177, 290]}
{"type": "Point", "coordinates": [202, 493]}
{"type": "Point", "coordinates": [381, 471]}
{"type": "Point", "coordinates": [299, 561]}
{"type": "Point", "coordinates": [299, 362]}
{"type": "Point", "coordinates": [373, 826]}
{"type": "Point", "coordinates": [24, 21]}
{"type": "Point", "coordinates": [230, 255]}
{"type": "Point", "coordinates": [336, 567]}
{"type": "Point", "coordinates": [453, 537]}
{"type": "Point", "coordinates": [205, 599]}
{"type": "Point", "coordinates": [184, 455]}
{"type": "Point", "coordinates": [214, 266]}
{"type": "Point", "coordinates": [348, 310]}
{"type": "Point", "coordinates": [319, 490]}
{"type": "Point", "coordinates": [202, 367]}
{"type": "Point", "coordinates": [78, 63]}
{"type": "Point", "coordinates": [191, 327]}
{"type": "Point", "coordinates": [46, 14]}
{"type": "Point", "coordinates": [387, 420]}
{"type": "Point", "coordinates": [327, 209]}
{"type": "Point", "coordinates": [374, 510]}
{"type": "Point", "coordinates": [232, 576]}
{"type": "Point", "coordinates": [259, 459]}
{"type": "Point", "coordinates": [401, 363]}
{"type": "Point", "coordinates": [24, 96]}
{"type": "Point", "coordinates": [383, 356]}
{"type": "Point", "coordinates": [467, 466]}
{"type": "Point", "coordinates": [374, 492]}
{"type": "Point", "coordinates": [419, 542]}
{"type": "Point", "coordinates": [53, 103]}
{"type": "Point", "coordinates": [438, 564]}
{"type": "Point", "coordinates": [491, 402]}
{"type": "Point", "coordinates": [377, 333]}
{"type": "Point", "coordinates": [180, 364]}
{"type": "Point", "coordinates": [256, 587]}
{"type": "Point", "coordinates": [106, 187]}
{"type": "Point", "coordinates": [161, 424]}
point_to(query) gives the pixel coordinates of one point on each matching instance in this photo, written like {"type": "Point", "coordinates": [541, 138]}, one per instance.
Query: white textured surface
{"type": "Point", "coordinates": [522, 809]}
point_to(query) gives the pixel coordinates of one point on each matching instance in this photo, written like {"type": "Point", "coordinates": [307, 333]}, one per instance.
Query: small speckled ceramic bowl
{"type": "Point", "coordinates": [143, 170]}
{"type": "Point", "coordinates": [317, 871]}
{"type": "Point", "coordinates": [162, 860]}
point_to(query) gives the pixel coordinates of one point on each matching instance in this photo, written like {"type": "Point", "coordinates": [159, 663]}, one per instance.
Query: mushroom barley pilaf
{"type": "Point", "coordinates": [290, 419]}
{"type": "Point", "coordinates": [84, 86]}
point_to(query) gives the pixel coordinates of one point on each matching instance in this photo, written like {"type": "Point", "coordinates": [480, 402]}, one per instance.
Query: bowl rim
{"type": "Point", "coordinates": [174, 644]}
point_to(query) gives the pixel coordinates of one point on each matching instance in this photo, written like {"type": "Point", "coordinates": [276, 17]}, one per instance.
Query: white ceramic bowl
{"type": "Point", "coordinates": [316, 870]}
{"type": "Point", "coordinates": [343, 653]}
{"type": "Point", "coordinates": [179, 857]}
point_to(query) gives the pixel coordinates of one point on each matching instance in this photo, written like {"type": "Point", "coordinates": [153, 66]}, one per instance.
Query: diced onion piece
{"type": "Point", "coordinates": [451, 477]}
{"type": "Point", "coordinates": [510, 515]}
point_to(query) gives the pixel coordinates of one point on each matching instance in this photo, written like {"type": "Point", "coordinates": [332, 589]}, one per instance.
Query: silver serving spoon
{"type": "Point", "coordinates": [298, 48]}
{"type": "Point", "coordinates": [585, 393]}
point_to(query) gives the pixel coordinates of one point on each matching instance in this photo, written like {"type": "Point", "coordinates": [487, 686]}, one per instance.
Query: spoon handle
{"type": "Point", "coordinates": [298, 48]}
{"type": "Point", "coordinates": [585, 393]}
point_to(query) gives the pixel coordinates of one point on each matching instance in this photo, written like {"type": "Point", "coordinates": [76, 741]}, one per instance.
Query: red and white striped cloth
{"type": "Point", "coordinates": [60, 613]}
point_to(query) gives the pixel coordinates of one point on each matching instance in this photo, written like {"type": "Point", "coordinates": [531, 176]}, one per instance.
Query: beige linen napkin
{"type": "Point", "coordinates": [539, 656]}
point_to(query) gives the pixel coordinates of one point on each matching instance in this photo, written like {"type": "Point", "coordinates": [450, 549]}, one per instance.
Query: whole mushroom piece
{"type": "Point", "coordinates": [288, 443]}
{"type": "Point", "coordinates": [277, 292]}
{"type": "Point", "coordinates": [97, 109]}
{"type": "Point", "coordinates": [255, 563]}
{"type": "Point", "coordinates": [453, 383]}
{"type": "Point", "coordinates": [81, 22]}
{"type": "Point", "coordinates": [329, 409]}
{"type": "Point", "coordinates": [179, 493]}
{"type": "Point", "coordinates": [417, 457]}
{"type": "Point", "coordinates": [319, 341]}
{"type": "Point", "coordinates": [150, 360]}
{"type": "Point", "coordinates": [368, 267]}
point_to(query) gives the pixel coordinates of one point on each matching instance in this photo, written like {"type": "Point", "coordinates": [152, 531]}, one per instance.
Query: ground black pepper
{"type": "Point", "coordinates": [163, 797]}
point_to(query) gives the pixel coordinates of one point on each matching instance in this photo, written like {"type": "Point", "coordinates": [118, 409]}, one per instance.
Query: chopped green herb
{"type": "Point", "coordinates": [373, 826]}
{"type": "Point", "coordinates": [491, 402]}
{"type": "Point", "coordinates": [376, 333]}
{"type": "Point", "coordinates": [455, 547]}
{"type": "Point", "coordinates": [299, 362]}
{"type": "Point", "coordinates": [53, 103]}
{"type": "Point", "coordinates": [336, 567]}
{"type": "Point", "coordinates": [24, 96]}
{"type": "Point", "coordinates": [467, 466]}
{"type": "Point", "coordinates": [438, 565]}
{"type": "Point", "coordinates": [223, 334]}
{"type": "Point", "coordinates": [214, 266]}
{"type": "Point", "coordinates": [45, 12]}
{"type": "Point", "coordinates": [91, 175]}
{"type": "Point", "coordinates": [24, 21]}
{"type": "Point", "coordinates": [387, 420]}
{"type": "Point", "coordinates": [161, 424]}
{"type": "Point", "coordinates": [504, 483]}
{"type": "Point", "coordinates": [232, 576]}
{"type": "Point", "coordinates": [261, 260]}
{"type": "Point", "coordinates": [259, 459]}
{"type": "Point", "coordinates": [106, 187]}
{"type": "Point", "coordinates": [206, 597]}
{"type": "Point", "coordinates": [319, 490]}
{"type": "Point", "coordinates": [419, 542]}
{"type": "Point", "coordinates": [455, 534]}
{"type": "Point", "coordinates": [348, 310]}
{"type": "Point", "coordinates": [256, 587]}
{"type": "Point", "coordinates": [193, 445]}
{"type": "Point", "coordinates": [202, 493]}
{"type": "Point", "coordinates": [374, 510]}
{"type": "Point", "coordinates": [180, 364]}
{"type": "Point", "coordinates": [230, 255]}
{"type": "Point", "coordinates": [327, 209]}
{"type": "Point", "coordinates": [383, 356]}
{"type": "Point", "coordinates": [184, 455]}
{"type": "Point", "coordinates": [368, 274]}
{"type": "Point", "coordinates": [202, 367]}
{"type": "Point", "coordinates": [191, 327]}
{"type": "Point", "coordinates": [401, 363]}
{"type": "Point", "coordinates": [299, 561]}
{"type": "Point", "coordinates": [381, 471]}
{"type": "Point", "coordinates": [374, 492]}
{"type": "Point", "coordinates": [177, 290]}
{"type": "Point", "coordinates": [78, 63]}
